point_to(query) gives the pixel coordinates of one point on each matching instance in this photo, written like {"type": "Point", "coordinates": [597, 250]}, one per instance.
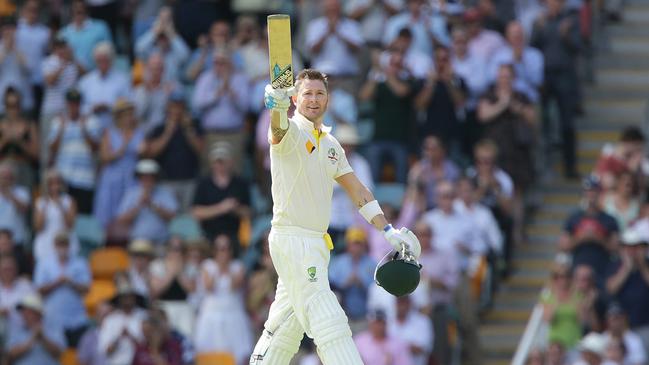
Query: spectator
{"type": "Point", "coordinates": [163, 39]}
{"type": "Point", "coordinates": [19, 138]}
{"type": "Point", "coordinates": [104, 86]}
{"type": "Point", "coordinates": [635, 353]}
{"type": "Point", "coordinates": [141, 253]}
{"type": "Point", "coordinates": [261, 287]}
{"type": "Point", "coordinates": [593, 349]}
{"type": "Point", "coordinates": [343, 211]}
{"type": "Point", "coordinates": [416, 62]}
{"type": "Point", "coordinates": [333, 41]}
{"type": "Point", "coordinates": [83, 34]}
{"type": "Point", "coordinates": [372, 19]}
{"type": "Point", "coordinates": [352, 273]}
{"type": "Point", "coordinates": [483, 43]}
{"type": "Point", "coordinates": [616, 352]}
{"type": "Point", "coordinates": [589, 234]}
{"type": "Point", "coordinates": [441, 98]}
{"type": "Point", "coordinates": [177, 145]}
{"type": "Point", "coordinates": [152, 96]}
{"type": "Point", "coordinates": [13, 289]}
{"type": "Point", "coordinates": [32, 339]}
{"type": "Point", "coordinates": [9, 249]}
{"type": "Point", "coordinates": [32, 39]}
{"type": "Point", "coordinates": [144, 16]}
{"type": "Point", "coordinates": [556, 354]}
{"type": "Point", "coordinates": [14, 204]}
{"type": "Point", "coordinates": [61, 73]}
{"type": "Point", "coordinates": [222, 323]}
{"type": "Point", "coordinates": [562, 308]}
{"type": "Point", "coordinates": [623, 202]}
{"type": "Point", "coordinates": [627, 154]}
{"type": "Point", "coordinates": [392, 89]}
{"type": "Point", "coordinates": [147, 208]}
{"type": "Point", "coordinates": [628, 283]}
{"type": "Point", "coordinates": [583, 279]}
{"type": "Point", "coordinates": [88, 352]}
{"type": "Point", "coordinates": [156, 345]}
{"type": "Point", "coordinates": [556, 34]}
{"type": "Point", "coordinates": [173, 336]}
{"type": "Point", "coordinates": [203, 57]}
{"type": "Point", "coordinates": [440, 277]}
{"type": "Point", "coordinates": [118, 153]}
{"type": "Point", "coordinates": [526, 61]}
{"type": "Point", "coordinates": [377, 347]}
{"type": "Point", "coordinates": [536, 357]}
{"type": "Point", "coordinates": [54, 212]}
{"type": "Point", "coordinates": [428, 29]}
{"type": "Point", "coordinates": [122, 328]}
{"type": "Point", "coordinates": [14, 68]}
{"type": "Point", "coordinates": [413, 328]}
{"type": "Point", "coordinates": [433, 168]}
{"type": "Point", "coordinates": [73, 143]}
{"type": "Point", "coordinates": [221, 100]}
{"type": "Point", "coordinates": [62, 281]}
{"type": "Point", "coordinates": [222, 199]}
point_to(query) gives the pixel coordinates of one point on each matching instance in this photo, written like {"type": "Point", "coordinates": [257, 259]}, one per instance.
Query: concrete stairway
{"type": "Point", "coordinates": [618, 98]}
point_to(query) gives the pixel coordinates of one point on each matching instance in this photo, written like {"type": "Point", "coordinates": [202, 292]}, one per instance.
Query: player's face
{"type": "Point", "coordinates": [312, 99]}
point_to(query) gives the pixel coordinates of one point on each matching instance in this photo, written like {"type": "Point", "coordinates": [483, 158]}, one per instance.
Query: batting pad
{"type": "Point", "coordinates": [330, 331]}
{"type": "Point", "coordinates": [278, 348]}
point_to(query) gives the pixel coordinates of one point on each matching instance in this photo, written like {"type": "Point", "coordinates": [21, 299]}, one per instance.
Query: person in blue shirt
{"type": "Point", "coordinates": [63, 280]}
{"type": "Point", "coordinates": [352, 273]}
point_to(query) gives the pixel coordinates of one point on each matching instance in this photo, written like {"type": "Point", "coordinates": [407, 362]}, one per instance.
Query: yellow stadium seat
{"type": "Point", "coordinates": [215, 358]}
{"type": "Point", "coordinates": [99, 291]}
{"type": "Point", "coordinates": [106, 262]}
{"type": "Point", "coordinates": [245, 232]}
{"type": "Point", "coordinates": [69, 357]}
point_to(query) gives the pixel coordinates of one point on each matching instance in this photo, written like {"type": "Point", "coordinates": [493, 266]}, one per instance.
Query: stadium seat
{"type": "Point", "coordinates": [100, 290]}
{"type": "Point", "coordinates": [69, 357]}
{"type": "Point", "coordinates": [215, 358]}
{"type": "Point", "coordinates": [106, 262]}
{"type": "Point", "coordinates": [186, 227]}
{"type": "Point", "coordinates": [90, 233]}
{"type": "Point", "coordinates": [390, 193]}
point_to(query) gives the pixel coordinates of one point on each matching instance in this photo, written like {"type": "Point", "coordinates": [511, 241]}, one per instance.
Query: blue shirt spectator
{"type": "Point", "coordinates": [83, 34]}
{"type": "Point", "coordinates": [32, 39]}
{"type": "Point", "coordinates": [163, 39]}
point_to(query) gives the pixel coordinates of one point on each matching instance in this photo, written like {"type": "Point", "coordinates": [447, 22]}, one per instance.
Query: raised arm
{"type": "Point", "coordinates": [277, 100]}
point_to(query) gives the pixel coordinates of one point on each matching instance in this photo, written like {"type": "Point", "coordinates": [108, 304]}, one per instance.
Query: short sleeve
{"type": "Point", "coordinates": [289, 141]}
{"type": "Point", "coordinates": [343, 165]}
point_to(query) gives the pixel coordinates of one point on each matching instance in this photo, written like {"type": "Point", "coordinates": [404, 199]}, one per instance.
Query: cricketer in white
{"type": "Point", "coordinates": [305, 161]}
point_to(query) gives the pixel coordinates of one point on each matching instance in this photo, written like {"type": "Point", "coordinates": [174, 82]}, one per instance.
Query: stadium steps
{"type": "Point", "coordinates": [618, 98]}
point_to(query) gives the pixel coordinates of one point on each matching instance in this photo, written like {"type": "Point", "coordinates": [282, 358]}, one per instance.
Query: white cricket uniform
{"type": "Point", "coordinates": [303, 168]}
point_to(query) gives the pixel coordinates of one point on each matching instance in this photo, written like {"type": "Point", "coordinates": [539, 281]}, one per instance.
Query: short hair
{"type": "Point", "coordinates": [488, 145]}
{"type": "Point", "coordinates": [632, 134]}
{"type": "Point", "coordinates": [311, 74]}
{"type": "Point", "coordinates": [405, 32]}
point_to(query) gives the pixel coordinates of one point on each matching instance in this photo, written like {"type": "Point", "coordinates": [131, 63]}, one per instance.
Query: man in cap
{"type": "Point", "coordinates": [377, 347]}
{"type": "Point", "coordinates": [222, 199]}
{"type": "Point", "coordinates": [617, 328]}
{"type": "Point", "coordinates": [177, 146]}
{"type": "Point", "coordinates": [628, 282]}
{"type": "Point", "coordinates": [73, 140]}
{"type": "Point", "coordinates": [147, 207]}
{"type": "Point", "coordinates": [33, 340]}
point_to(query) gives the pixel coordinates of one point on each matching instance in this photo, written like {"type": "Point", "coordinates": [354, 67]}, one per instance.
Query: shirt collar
{"type": "Point", "coordinates": [305, 123]}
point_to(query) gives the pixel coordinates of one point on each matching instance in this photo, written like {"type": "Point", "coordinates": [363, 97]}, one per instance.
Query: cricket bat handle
{"type": "Point", "coordinates": [281, 118]}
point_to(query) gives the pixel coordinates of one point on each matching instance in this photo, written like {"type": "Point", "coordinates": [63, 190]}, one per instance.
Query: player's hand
{"type": "Point", "coordinates": [277, 99]}
{"type": "Point", "coordinates": [403, 236]}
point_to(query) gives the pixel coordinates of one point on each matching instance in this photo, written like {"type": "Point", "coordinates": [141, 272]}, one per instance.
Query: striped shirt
{"type": "Point", "coordinates": [54, 97]}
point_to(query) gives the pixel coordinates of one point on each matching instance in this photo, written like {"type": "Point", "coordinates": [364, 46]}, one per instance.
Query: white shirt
{"type": "Point", "coordinates": [334, 58]}
{"type": "Point", "coordinates": [97, 89]}
{"type": "Point", "coordinates": [417, 330]}
{"type": "Point", "coordinates": [635, 351]}
{"type": "Point", "coordinates": [529, 70]}
{"type": "Point", "coordinates": [373, 22]}
{"type": "Point", "coordinates": [486, 44]}
{"type": "Point", "coordinates": [303, 170]}
{"type": "Point", "coordinates": [32, 40]}
{"type": "Point", "coordinates": [11, 296]}
{"type": "Point", "coordinates": [451, 230]}
{"type": "Point", "coordinates": [484, 222]}
{"type": "Point", "coordinates": [343, 212]}
{"type": "Point", "coordinates": [11, 218]}
{"type": "Point", "coordinates": [112, 328]}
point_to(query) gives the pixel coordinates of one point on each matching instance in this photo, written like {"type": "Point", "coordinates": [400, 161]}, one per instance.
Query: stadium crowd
{"type": "Point", "coordinates": [134, 170]}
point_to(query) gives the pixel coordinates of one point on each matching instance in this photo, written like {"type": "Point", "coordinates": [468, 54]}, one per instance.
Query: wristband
{"type": "Point", "coordinates": [370, 210]}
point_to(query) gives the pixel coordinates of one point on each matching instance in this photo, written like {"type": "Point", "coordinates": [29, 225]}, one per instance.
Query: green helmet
{"type": "Point", "coordinates": [398, 273]}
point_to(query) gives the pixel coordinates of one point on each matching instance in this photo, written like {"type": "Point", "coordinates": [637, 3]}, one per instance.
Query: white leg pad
{"type": "Point", "coordinates": [278, 348]}
{"type": "Point", "coordinates": [330, 330]}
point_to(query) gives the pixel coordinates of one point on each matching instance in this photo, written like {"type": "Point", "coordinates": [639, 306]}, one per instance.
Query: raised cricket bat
{"type": "Point", "coordinates": [280, 58]}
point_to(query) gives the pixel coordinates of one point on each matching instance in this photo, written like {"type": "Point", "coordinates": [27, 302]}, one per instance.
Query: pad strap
{"type": "Point", "coordinates": [370, 210]}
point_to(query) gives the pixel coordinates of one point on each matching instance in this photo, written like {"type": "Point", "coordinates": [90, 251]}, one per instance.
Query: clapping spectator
{"type": "Point", "coordinates": [377, 347]}
{"type": "Point", "coordinates": [73, 142]}
{"type": "Point", "coordinates": [60, 72]}
{"type": "Point", "coordinates": [428, 28]}
{"type": "Point", "coordinates": [222, 199]}
{"type": "Point", "coordinates": [54, 212]}
{"type": "Point", "coordinates": [483, 43]}
{"type": "Point", "coordinates": [372, 17]}
{"type": "Point", "coordinates": [19, 138]}
{"type": "Point", "coordinates": [177, 145]}
{"type": "Point", "coordinates": [14, 204]}
{"type": "Point", "coordinates": [634, 352]}
{"type": "Point", "coordinates": [152, 95]}
{"type": "Point", "coordinates": [171, 278]}
{"type": "Point", "coordinates": [352, 272]}
{"type": "Point", "coordinates": [202, 59]}
{"type": "Point", "coordinates": [62, 280]}
{"type": "Point", "coordinates": [32, 338]}
{"type": "Point", "coordinates": [156, 345]}
{"type": "Point", "coordinates": [583, 279]}
{"type": "Point", "coordinates": [83, 34]}
{"type": "Point", "coordinates": [14, 67]}
{"type": "Point", "coordinates": [627, 154]}
{"type": "Point", "coordinates": [141, 253]}
{"type": "Point", "coordinates": [623, 201]}
{"type": "Point", "coordinates": [146, 208]}
{"type": "Point", "coordinates": [118, 154]}
{"type": "Point", "coordinates": [222, 323]}
{"type": "Point", "coordinates": [163, 39]}
{"type": "Point", "coordinates": [413, 328]}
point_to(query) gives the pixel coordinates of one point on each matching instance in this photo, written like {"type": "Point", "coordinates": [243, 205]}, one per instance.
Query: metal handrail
{"type": "Point", "coordinates": [529, 336]}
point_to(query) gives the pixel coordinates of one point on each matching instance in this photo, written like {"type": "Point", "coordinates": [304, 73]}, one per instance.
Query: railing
{"type": "Point", "coordinates": [529, 338]}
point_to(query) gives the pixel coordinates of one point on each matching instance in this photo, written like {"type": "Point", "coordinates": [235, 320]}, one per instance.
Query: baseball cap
{"type": "Point", "coordinates": [221, 150]}
{"type": "Point", "coordinates": [73, 95]}
{"type": "Point", "coordinates": [355, 234]}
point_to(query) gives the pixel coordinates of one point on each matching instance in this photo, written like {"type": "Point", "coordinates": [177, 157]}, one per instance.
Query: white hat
{"type": "Point", "coordinates": [593, 342]}
{"type": "Point", "coordinates": [221, 150]}
{"type": "Point", "coordinates": [346, 134]}
{"type": "Point", "coordinates": [31, 301]}
{"type": "Point", "coordinates": [632, 237]}
{"type": "Point", "coordinates": [147, 167]}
